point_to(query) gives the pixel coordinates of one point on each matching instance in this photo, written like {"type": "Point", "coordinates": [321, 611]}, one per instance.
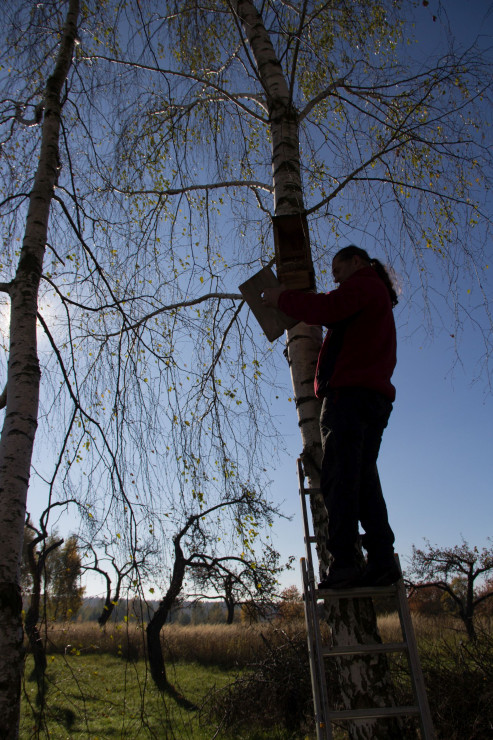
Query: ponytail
{"type": "Point", "coordinates": [347, 253]}
{"type": "Point", "coordinates": [384, 276]}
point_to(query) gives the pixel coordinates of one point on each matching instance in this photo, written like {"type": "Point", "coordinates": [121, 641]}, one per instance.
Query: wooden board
{"type": "Point", "coordinates": [273, 322]}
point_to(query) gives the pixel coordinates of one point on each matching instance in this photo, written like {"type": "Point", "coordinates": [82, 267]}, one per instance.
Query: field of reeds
{"type": "Point", "coordinates": [226, 646]}
{"type": "Point", "coordinates": [247, 682]}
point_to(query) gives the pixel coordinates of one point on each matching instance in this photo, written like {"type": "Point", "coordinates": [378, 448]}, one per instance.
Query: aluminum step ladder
{"type": "Point", "coordinates": [318, 652]}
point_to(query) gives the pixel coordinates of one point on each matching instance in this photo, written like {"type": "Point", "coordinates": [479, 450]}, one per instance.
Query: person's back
{"type": "Point", "coordinates": [365, 343]}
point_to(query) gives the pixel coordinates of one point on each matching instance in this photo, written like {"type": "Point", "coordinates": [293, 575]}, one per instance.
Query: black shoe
{"type": "Point", "coordinates": [381, 574]}
{"type": "Point", "coordinates": [341, 577]}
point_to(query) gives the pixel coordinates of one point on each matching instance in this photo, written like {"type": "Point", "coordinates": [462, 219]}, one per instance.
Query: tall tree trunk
{"type": "Point", "coordinates": [469, 604]}
{"type": "Point", "coordinates": [109, 604]}
{"type": "Point", "coordinates": [230, 606]}
{"type": "Point", "coordinates": [23, 378]}
{"type": "Point", "coordinates": [110, 601]}
{"type": "Point", "coordinates": [362, 682]}
{"type": "Point", "coordinates": [154, 648]}
{"type": "Point", "coordinates": [158, 620]}
{"type": "Point", "coordinates": [229, 599]}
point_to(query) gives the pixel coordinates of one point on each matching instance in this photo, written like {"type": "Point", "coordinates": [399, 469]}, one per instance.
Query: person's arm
{"type": "Point", "coordinates": [325, 308]}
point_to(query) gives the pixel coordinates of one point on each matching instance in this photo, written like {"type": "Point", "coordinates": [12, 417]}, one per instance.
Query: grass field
{"type": "Point", "coordinates": [103, 696]}
{"type": "Point", "coordinates": [99, 686]}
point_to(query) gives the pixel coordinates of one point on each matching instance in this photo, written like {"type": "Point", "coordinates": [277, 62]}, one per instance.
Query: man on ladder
{"type": "Point", "coordinates": [353, 378]}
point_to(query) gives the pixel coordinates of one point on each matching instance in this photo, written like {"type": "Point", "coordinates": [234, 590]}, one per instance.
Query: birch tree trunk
{"type": "Point", "coordinates": [362, 682]}
{"type": "Point", "coordinates": [23, 377]}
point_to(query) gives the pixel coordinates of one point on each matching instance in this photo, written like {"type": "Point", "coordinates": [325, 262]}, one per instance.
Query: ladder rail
{"type": "Point", "coordinates": [317, 665]}
{"type": "Point", "coordinates": [306, 526]}
{"type": "Point", "coordinates": [417, 678]}
{"type": "Point", "coordinates": [314, 639]}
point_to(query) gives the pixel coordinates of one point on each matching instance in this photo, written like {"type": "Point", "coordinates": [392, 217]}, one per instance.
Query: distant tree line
{"type": "Point", "coordinates": [132, 610]}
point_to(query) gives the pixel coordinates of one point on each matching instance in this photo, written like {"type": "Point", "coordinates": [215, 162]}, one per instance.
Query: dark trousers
{"type": "Point", "coordinates": [352, 423]}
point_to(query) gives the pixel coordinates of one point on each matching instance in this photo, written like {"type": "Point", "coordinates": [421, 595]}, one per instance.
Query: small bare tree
{"type": "Point", "coordinates": [455, 571]}
{"type": "Point", "coordinates": [192, 550]}
{"type": "Point", "coordinates": [38, 546]}
{"type": "Point", "coordinates": [235, 580]}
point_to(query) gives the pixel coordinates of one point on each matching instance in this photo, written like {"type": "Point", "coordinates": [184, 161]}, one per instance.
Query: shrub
{"type": "Point", "coordinates": [459, 680]}
{"type": "Point", "coordinates": [274, 692]}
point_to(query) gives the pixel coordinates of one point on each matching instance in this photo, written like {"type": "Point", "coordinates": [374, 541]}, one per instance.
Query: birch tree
{"type": "Point", "coordinates": [22, 386]}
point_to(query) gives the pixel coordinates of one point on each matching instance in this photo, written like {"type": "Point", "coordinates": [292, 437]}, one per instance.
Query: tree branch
{"type": "Point", "coordinates": [322, 96]}
{"type": "Point", "coordinates": [190, 188]}
{"type": "Point", "coordinates": [185, 75]}
{"type": "Point", "coordinates": [174, 306]}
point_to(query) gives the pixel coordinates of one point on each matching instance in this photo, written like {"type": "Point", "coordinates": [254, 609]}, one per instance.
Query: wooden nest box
{"type": "Point", "coordinates": [293, 258]}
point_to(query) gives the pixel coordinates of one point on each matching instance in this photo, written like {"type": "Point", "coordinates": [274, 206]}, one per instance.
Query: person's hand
{"type": "Point", "coordinates": [270, 296]}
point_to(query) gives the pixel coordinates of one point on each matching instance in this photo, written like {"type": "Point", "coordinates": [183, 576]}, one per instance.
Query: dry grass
{"type": "Point", "coordinates": [222, 645]}
{"type": "Point", "coordinates": [227, 646]}
{"type": "Point", "coordinates": [425, 628]}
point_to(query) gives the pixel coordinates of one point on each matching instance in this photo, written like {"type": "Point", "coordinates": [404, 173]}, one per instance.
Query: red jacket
{"type": "Point", "coordinates": [360, 346]}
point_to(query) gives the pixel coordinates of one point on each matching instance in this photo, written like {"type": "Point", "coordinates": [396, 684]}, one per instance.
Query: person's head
{"type": "Point", "coordinates": [349, 260]}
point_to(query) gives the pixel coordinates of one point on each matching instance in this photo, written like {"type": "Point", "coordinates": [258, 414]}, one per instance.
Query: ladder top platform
{"type": "Point", "coordinates": [355, 593]}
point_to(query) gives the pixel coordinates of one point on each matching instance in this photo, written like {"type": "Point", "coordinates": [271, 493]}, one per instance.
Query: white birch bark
{"type": "Point", "coordinates": [363, 682]}
{"type": "Point", "coordinates": [23, 377]}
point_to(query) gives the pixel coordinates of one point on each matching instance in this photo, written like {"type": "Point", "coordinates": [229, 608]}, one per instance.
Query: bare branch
{"type": "Point", "coordinates": [191, 188]}
{"type": "Point", "coordinates": [176, 306]}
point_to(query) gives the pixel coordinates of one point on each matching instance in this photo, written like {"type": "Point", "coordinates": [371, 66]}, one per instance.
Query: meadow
{"type": "Point", "coordinates": [247, 682]}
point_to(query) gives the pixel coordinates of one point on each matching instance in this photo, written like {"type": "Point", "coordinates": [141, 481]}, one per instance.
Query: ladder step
{"type": "Point", "coordinates": [385, 647]}
{"type": "Point", "coordinates": [307, 491]}
{"type": "Point", "coordinates": [373, 713]}
{"type": "Point", "coordinates": [355, 593]}
{"type": "Point", "coordinates": [311, 538]}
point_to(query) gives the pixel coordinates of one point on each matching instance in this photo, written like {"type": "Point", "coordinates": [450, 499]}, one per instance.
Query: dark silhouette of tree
{"type": "Point", "coordinates": [252, 579]}
{"type": "Point", "coordinates": [192, 551]}
{"type": "Point", "coordinates": [36, 568]}
{"type": "Point", "coordinates": [50, 575]}
{"type": "Point", "coordinates": [114, 574]}
{"type": "Point", "coordinates": [455, 571]}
